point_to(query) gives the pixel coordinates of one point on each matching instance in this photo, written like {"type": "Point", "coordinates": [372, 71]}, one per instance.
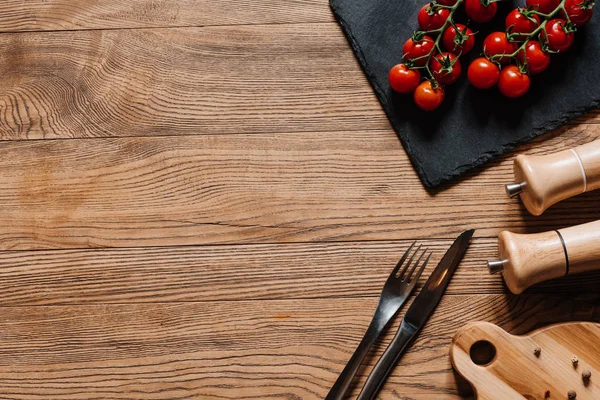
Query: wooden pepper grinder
{"type": "Point", "coordinates": [545, 180]}
{"type": "Point", "coordinates": [528, 259]}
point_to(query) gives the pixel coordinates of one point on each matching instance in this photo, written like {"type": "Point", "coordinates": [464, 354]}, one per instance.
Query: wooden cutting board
{"type": "Point", "coordinates": [539, 365]}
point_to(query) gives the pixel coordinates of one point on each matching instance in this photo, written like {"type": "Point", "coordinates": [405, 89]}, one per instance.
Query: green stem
{"type": "Point", "coordinates": [529, 37]}
{"type": "Point", "coordinates": [536, 32]}
{"type": "Point", "coordinates": [436, 46]}
{"type": "Point", "coordinates": [561, 6]}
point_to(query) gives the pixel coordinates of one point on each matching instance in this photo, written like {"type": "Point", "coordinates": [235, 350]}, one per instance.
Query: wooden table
{"type": "Point", "coordinates": [202, 199]}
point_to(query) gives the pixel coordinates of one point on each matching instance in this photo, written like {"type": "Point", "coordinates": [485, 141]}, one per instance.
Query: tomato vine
{"type": "Point", "coordinates": [545, 27]}
{"type": "Point", "coordinates": [418, 36]}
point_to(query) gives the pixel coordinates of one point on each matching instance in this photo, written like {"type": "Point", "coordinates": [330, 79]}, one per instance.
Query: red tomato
{"type": "Point", "coordinates": [445, 68]}
{"type": "Point", "coordinates": [482, 73]}
{"type": "Point", "coordinates": [431, 17]}
{"type": "Point", "coordinates": [479, 12]}
{"type": "Point", "coordinates": [543, 6]}
{"type": "Point", "coordinates": [496, 44]}
{"type": "Point", "coordinates": [404, 80]}
{"type": "Point", "coordinates": [521, 20]}
{"type": "Point", "coordinates": [579, 11]}
{"type": "Point", "coordinates": [537, 59]}
{"type": "Point", "coordinates": [427, 97]}
{"type": "Point", "coordinates": [461, 41]}
{"type": "Point", "coordinates": [447, 2]}
{"type": "Point", "coordinates": [421, 48]}
{"type": "Point", "coordinates": [513, 83]}
{"type": "Point", "coordinates": [556, 36]}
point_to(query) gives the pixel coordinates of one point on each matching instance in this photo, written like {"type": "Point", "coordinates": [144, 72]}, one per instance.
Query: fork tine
{"type": "Point", "coordinates": [410, 260]}
{"type": "Point", "coordinates": [397, 267]}
{"type": "Point", "coordinates": [420, 271]}
{"type": "Point", "coordinates": [409, 274]}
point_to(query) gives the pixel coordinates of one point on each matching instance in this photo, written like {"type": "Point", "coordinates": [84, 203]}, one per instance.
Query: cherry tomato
{"type": "Point", "coordinates": [537, 59]}
{"type": "Point", "coordinates": [431, 17]}
{"type": "Point", "coordinates": [479, 12]}
{"type": "Point", "coordinates": [556, 36]}
{"type": "Point", "coordinates": [579, 11]}
{"type": "Point", "coordinates": [427, 97]}
{"type": "Point", "coordinates": [543, 6]}
{"type": "Point", "coordinates": [497, 43]}
{"type": "Point", "coordinates": [404, 80]}
{"type": "Point", "coordinates": [521, 20]}
{"type": "Point", "coordinates": [412, 50]}
{"type": "Point", "coordinates": [482, 73]}
{"type": "Point", "coordinates": [461, 41]}
{"type": "Point", "coordinates": [513, 83]}
{"type": "Point", "coordinates": [445, 68]}
{"type": "Point", "coordinates": [447, 2]}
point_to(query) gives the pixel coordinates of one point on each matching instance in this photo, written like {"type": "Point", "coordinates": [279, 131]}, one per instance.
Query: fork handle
{"type": "Point", "coordinates": [343, 382]}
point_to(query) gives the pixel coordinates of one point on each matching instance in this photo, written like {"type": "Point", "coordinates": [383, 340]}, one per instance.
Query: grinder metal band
{"type": "Point", "coordinates": [582, 170]}
{"type": "Point", "coordinates": [562, 241]}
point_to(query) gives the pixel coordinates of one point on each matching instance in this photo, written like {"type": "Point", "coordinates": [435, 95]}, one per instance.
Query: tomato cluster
{"type": "Point", "coordinates": [523, 50]}
{"type": "Point", "coordinates": [423, 52]}
{"type": "Point", "coordinates": [509, 58]}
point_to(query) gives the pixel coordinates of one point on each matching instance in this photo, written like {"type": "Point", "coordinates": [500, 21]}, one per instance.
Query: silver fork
{"type": "Point", "coordinates": [396, 291]}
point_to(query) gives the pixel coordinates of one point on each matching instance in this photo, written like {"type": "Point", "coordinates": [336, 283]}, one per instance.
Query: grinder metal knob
{"type": "Point", "coordinates": [514, 189]}
{"type": "Point", "coordinates": [496, 266]}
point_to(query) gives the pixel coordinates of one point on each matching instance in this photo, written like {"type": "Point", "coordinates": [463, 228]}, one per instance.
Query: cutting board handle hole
{"type": "Point", "coordinates": [482, 352]}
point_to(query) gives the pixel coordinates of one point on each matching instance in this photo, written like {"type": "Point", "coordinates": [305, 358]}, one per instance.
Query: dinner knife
{"type": "Point", "coordinates": [417, 315]}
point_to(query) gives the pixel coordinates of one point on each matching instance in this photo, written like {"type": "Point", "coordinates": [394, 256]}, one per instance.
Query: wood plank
{"type": "Point", "coordinates": [197, 190]}
{"type": "Point", "coordinates": [192, 81]}
{"type": "Point", "coordinates": [282, 349]}
{"type": "Point", "coordinates": [250, 272]}
{"type": "Point", "coordinates": [240, 79]}
{"type": "Point", "coordinates": [53, 15]}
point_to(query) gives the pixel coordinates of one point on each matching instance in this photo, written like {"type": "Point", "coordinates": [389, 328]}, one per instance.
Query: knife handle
{"type": "Point", "coordinates": [530, 259]}
{"type": "Point", "coordinates": [542, 181]}
{"type": "Point", "coordinates": [397, 347]}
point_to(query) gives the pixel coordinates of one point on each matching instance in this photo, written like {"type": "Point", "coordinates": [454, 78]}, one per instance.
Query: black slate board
{"type": "Point", "coordinates": [472, 126]}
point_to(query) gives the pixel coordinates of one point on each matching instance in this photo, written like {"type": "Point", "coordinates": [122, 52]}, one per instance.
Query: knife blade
{"type": "Point", "coordinates": [417, 315]}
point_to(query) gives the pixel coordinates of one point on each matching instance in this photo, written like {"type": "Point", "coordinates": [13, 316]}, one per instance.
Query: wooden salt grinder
{"type": "Point", "coordinates": [546, 180]}
{"type": "Point", "coordinates": [529, 259]}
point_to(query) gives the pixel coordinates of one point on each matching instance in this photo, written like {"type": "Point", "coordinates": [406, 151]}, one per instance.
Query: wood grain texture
{"type": "Point", "coordinates": [53, 15]}
{"type": "Point", "coordinates": [282, 349]}
{"type": "Point", "coordinates": [533, 258]}
{"type": "Point", "coordinates": [299, 187]}
{"type": "Point", "coordinates": [187, 81]}
{"type": "Point", "coordinates": [193, 81]}
{"type": "Point", "coordinates": [515, 372]}
{"type": "Point", "coordinates": [254, 199]}
{"type": "Point", "coordinates": [238, 272]}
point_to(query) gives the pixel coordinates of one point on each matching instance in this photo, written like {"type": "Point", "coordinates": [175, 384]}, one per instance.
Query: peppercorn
{"type": "Point", "coordinates": [586, 374]}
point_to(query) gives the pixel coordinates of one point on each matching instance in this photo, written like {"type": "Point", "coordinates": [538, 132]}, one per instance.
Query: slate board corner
{"type": "Point", "coordinates": [472, 127]}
